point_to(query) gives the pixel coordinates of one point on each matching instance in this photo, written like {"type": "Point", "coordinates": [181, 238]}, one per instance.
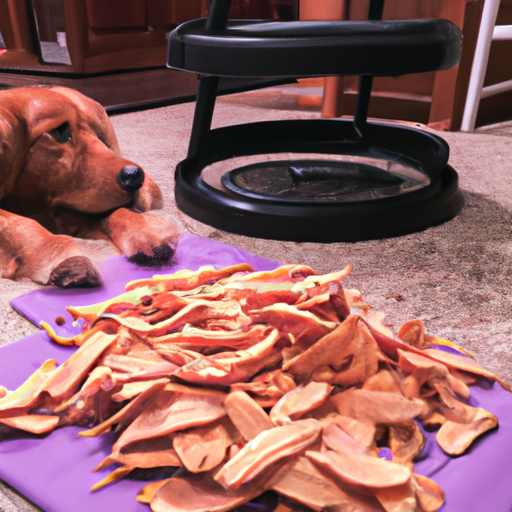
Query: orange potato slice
{"type": "Point", "coordinates": [33, 423]}
{"type": "Point", "coordinates": [247, 416]}
{"type": "Point", "coordinates": [361, 470]}
{"type": "Point", "coordinates": [299, 401]}
{"type": "Point", "coordinates": [266, 449]}
{"type": "Point", "coordinates": [455, 438]}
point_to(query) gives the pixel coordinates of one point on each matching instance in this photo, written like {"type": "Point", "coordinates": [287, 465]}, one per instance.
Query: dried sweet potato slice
{"type": "Point", "coordinates": [232, 339]}
{"type": "Point", "coordinates": [201, 493]}
{"type": "Point", "coordinates": [133, 389]}
{"type": "Point", "coordinates": [346, 356]}
{"type": "Point", "coordinates": [363, 470]}
{"type": "Point", "coordinates": [117, 474]}
{"type": "Point", "coordinates": [455, 438]}
{"type": "Point", "coordinates": [247, 416]}
{"type": "Point", "coordinates": [327, 302]}
{"type": "Point", "coordinates": [189, 279]}
{"type": "Point", "coordinates": [387, 343]}
{"type": "Point", "coordinates": [162, 371]}
{"type": "Point", "coordinates": [194, 390]}
{"type": "Point", "coordinates": [168, 411]}
{"type": "Point", "coordinates": [361, 431]}
{"type": "Point", "coordinates": [285, 273]}
{"type": "Point", "coordinates": [363, 363]}
{"type": "Point", "coordinates": [64, 381]}
{"type": "Point", "coordinates": [255, 294]}
{"type": "Point", "coordinates": [147, 493]}
{"type": "Point", "coordinates": [33, 423]}
{"type": "Point", "coordinates": [449, 404]}
{"type": "Point", "coordinates": [378, 407]}
{"type": "Point", "coordinates": [375, 320]}
{"type": "Point", "coordinates": [399, 498]}
{"type": "Point", "coordinates": [406, 440]}
{"type": "Point", "coordinates": [266, 449]}
{"type": "Point", "coordinates": [204, 448]}
{"type": "Point", "coordinates": [156, 452]}
{"type": "Point", "coordinates": [91, 312]}
{"type": "Point", "coordinates": [160, 306]}
{"type": "Point", "coordinates": [425, 369]}
{"type": "Point", "coordinates": [61, 340]}
{"type": "Point", "coordinates": [305, 484]}
{"type": "Point", "coordinates": [270, 386]}
{"type": "Point", "coordinates": [428, 494]}
{"type": "Point", "coordinates": [227, 368]}
{"type": "Point", "coordinates": [321, 307]}
{"type": "Point", "coordinates": [91, 404]}
{"type": "Point", "coordinates": [128, 412]}
{"type": "Point", "coordinates": [177, 355]}
{"type": "Point", "coordinates": [413, 333]}
{"type": "Point", "coordinates": [318, 280]}
{"type": "Point", "coordinates": [384, 380]}
{"type": "Point", "coordinates": [129, 364]}
{"type": "Point", "coordinates": [131, 344]}
{"type": "Point", "coordinates": [329, 349]}
{"type": "Point", "coordinates": [299, 401]}
{"type": "Point", "coordinates": [265, 297]}
{"type": "Point", "coordinates": [27, 395]}
{"type": "Point", "coordinates": [149, 453]}
{"type": "Point", "coordinates": [302, 327]}
{"type": "Point", "coordinates": [336, 439]}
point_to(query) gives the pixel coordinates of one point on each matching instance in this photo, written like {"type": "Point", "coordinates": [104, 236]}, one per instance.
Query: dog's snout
{"type": "Point", "coordinates": [130, 178]}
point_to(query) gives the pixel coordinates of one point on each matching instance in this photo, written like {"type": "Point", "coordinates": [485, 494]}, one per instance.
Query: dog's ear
{"type": "Point", "coordinates": [95, 114]}
{"type": "Point", "coordinates": [14, 144]}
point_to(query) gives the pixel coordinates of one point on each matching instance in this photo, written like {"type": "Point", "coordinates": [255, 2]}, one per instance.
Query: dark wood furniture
{"type": "Point", "coordinates": [115, 49]}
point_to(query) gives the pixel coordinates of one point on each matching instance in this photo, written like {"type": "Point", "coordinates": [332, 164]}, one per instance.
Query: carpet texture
{"type": "Point", "coordinates": [455, 277]}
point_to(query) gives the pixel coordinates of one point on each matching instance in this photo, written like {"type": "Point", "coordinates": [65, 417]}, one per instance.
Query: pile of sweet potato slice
{"type": "Point", "coordinates": [248, 382]}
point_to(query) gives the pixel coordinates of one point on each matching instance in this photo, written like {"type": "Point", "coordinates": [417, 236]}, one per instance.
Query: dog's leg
{"type": "Point", "coordinates": [29, 250]}
{"type": "Point", "coordinates": [146, 238]}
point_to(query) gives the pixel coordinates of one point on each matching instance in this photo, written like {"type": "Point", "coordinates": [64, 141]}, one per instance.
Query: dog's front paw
{"type": "Point", "coordinates": [147, 239]}
{"type": "Point", "coordinates": [160, 256]}
{"type": "Point", "coordinates": [75, 272]}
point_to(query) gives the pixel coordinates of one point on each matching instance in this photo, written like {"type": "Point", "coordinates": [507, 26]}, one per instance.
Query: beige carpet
{"type": "Point", "coordinates": [456, 277]}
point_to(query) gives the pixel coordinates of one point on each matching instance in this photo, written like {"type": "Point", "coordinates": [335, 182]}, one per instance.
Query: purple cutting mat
{"type": "Point", "coordinates": [55, 472]}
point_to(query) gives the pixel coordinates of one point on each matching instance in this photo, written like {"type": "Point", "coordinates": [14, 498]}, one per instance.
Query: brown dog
{"type": "Point", "coordinates": [61, 175]}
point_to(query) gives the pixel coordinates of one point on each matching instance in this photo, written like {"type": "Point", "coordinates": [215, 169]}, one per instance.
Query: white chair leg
{"type": "Point", "coordinates": [480, 60]}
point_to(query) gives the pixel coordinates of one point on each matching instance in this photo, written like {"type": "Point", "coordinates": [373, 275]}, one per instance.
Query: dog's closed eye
{"type": "Point", "coordinates": [62, 133]}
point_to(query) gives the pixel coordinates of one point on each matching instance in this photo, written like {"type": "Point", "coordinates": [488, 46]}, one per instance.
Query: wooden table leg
{"type": "Point", "coordinates": [327, 10]}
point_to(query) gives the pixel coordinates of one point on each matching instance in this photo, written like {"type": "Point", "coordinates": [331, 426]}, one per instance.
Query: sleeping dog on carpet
{"type": "Point", "coordinates": [61, 175]}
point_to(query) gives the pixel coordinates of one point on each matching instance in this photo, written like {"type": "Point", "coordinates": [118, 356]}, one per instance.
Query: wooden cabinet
{"type": "Point", "coordinates": [105, 35]}
{"type": "Point", "coordinates": [108, 35]}
{"type": "Point", "coordinates": [112, 50]}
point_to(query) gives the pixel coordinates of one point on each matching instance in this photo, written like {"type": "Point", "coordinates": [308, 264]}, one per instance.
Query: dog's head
{"type": "Point", "coordinates": [59, 148]}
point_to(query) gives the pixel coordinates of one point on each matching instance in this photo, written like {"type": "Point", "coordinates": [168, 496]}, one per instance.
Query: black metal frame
{"type": "Point", "coordinates": [218, 17]}
{"type": "Point", "coordinates": [304, 220]}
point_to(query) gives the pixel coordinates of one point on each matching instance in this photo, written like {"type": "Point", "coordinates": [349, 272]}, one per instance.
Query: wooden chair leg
{"type": "Point", "coordinates": [332, 101]}
{"type": "Point", "coordinates": [327, 10]}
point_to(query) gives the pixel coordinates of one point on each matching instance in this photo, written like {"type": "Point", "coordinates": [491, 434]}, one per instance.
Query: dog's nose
{"type": "Point", "coordinates": [130, 178]}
